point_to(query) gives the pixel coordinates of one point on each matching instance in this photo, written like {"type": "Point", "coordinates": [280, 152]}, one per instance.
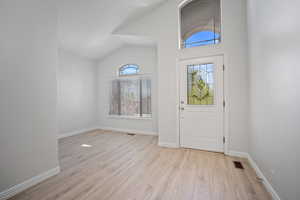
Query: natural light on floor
{"type": "Point", "coordinates": [86, 145]}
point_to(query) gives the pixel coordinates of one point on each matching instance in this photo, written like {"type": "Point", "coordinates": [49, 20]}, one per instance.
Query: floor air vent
{"type": "Point", "coordinates": [238, 165]}
{"type": "Point", "coordinates": [131, 134]}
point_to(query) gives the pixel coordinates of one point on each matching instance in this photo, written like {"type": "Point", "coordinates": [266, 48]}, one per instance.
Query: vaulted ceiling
{"type": "Point", "coordinates": [85, 27]}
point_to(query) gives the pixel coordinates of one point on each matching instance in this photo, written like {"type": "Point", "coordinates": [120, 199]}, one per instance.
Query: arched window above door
{"type": "Point", "coordinates": [200, 23]}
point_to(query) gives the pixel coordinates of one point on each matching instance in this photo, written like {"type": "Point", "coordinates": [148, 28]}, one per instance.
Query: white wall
{"type": "Point", "coordinates": [275, 92]}
{"type": "Point", "coordinates": [145, 57]}
{"type": "Point", "coordinates": [76, 93]}
{"type": "Point", "coordinates": [28, 63]}
{"type": "Point", "coordinates": [162, 26]}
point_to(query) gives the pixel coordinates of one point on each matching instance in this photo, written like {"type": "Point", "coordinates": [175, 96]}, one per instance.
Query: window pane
{"type": "Point", "coordinates": [202, 38]}
{"type": "Point", "coordinates": [200, 84]}
{"type": "Point", "coordinates": [129, 69]}
{"type": "Point", "coordinates": [130, 93]}
{"type": "Point", "coordinates": [131, 97]}
{"type": "Point", "coordinates": [115, 98]}
{"type": "Point", "coordinates": [146, 97]}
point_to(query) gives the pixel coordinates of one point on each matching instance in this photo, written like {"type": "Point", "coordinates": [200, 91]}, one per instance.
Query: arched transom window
{"type": "Point", "coordinates": [200, 23]}
{"type": "Point", "coordinates": [129, 69]}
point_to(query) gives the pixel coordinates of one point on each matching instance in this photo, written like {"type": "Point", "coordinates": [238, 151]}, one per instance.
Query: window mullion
{"type": "Point", "coordinates": [141, 97]}
{"type": "Point", "coordinates": [119, 97]}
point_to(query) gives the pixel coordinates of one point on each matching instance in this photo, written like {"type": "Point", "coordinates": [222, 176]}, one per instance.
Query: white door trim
{"type": "Point", "coordinates": [225, 94]}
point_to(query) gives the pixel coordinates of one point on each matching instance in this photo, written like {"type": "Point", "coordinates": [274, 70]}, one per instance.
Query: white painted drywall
{"type": "Point", "coordinates": [162, 25]}
{"type": "Point", "coordinates": [274, 31]}
{"type": "Point", "coordinates": [28, 64]}
{"type": "Point", "coordinates": [145, 57]}
{"type": "Point", "coordinates": [76, 93]}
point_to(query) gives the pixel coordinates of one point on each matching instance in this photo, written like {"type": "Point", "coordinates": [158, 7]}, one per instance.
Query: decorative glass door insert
{"type": "Point", "coordinates": [200, 84]}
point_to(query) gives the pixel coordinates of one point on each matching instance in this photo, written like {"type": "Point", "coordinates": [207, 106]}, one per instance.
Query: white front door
{"type": "Point", "coordinates": [201, 104]}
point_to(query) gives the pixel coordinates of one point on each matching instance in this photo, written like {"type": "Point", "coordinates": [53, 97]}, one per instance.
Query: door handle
{"type": "Point", "coordinates": [182, 108]}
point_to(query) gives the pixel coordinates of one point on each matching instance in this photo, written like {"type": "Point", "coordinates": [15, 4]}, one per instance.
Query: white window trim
{"type": "Point", "coordinates": [132, 76]}
{"type": "Point", "coordinates": [128, 117]}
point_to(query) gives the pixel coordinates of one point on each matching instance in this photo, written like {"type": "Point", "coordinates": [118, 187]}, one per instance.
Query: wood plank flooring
{"type": "Point", "coordinates": [122, 167]}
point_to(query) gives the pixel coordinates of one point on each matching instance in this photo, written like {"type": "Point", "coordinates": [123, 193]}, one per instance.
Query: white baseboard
{"type": "Point", "coordinates": [266, 183]}
{"type": "Point", "coordinates": [168, 145]}
{"type": "Point", "coordinates": [258, 172]}
{"type": "Point", "coordinates": [128, 131]}
{"type": "Point", "coordinates": [238, 154]}
{"type": "Point", "coordinates": [6, 194]}
{"type": "Point", "coordinates": [76, 132]}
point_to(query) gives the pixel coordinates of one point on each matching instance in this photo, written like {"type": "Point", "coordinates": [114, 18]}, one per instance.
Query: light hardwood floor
{"type": "Point", "coordinates": [121, 167]}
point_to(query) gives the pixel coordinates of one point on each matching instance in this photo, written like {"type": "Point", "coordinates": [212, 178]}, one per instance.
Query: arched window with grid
{"type": "Point", "coordinates": [129, 69]}
{"type": "Point", "coordinates": [200, 23]}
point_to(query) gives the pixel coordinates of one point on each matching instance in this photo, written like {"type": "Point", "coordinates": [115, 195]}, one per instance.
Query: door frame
{"type": "Point", "coordinates": [225, 97]}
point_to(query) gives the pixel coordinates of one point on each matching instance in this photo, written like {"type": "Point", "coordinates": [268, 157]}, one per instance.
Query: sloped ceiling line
{"type": "Point", "coordinates": [86, 27]}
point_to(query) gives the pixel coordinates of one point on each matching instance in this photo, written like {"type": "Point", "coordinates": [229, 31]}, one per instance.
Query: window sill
{"type": "Point", "coordinates": [129, 117]}
{"type": "Point", "coordinates": [209, 46]}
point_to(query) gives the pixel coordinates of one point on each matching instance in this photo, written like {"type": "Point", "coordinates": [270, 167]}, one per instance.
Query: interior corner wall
{"type": "Point", "coordinates": [275, 92]}
{"type": "Point", "coordinates": [77, 109]}
{"type": "Point", "coordinates": [108, 67]}
{"type": "Point", "coordinates": [28, 64]}
{"type": "Point", "coordinates": [162, 25]}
